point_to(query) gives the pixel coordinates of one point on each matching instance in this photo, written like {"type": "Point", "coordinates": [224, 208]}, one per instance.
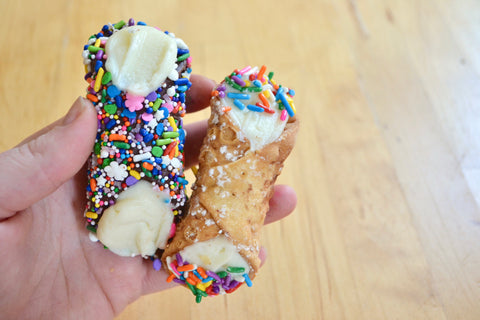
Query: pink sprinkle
{"type": "Point", "coordinates": [173, 229]}
{"type": "Point", "coordinates": [189, 60]}
{"type": "Point", "coordinates": [101, 203]}
{"type": "Point", "coordinates": [99, 117]}
{"type": "Point", "coordinates": [283, 116]}
{"type": "Point", "coordinates": [147, 117]}
{"type": "Point", "coordinates": [246, 69]}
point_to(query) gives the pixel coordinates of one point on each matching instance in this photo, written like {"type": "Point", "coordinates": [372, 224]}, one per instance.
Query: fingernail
{"type": "Point", "coordinates": [75, 111]}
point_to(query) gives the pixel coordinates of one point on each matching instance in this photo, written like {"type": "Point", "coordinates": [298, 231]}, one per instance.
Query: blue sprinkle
{"type": "Point", "coordinates": [254, 108]}
{"type": "Point", "coordinates": [207, 279]}
{"type": "Point", "coordinates": [182, 51]}
{"type": "Point", "coordinates": [148, 137]}
{"type": "Point", "coordinates": [257, 83]}
{"type": "Point", "coordinates": [289, 109]}
{"type": "Point", "coordinates": [159, 129]}
{"type": "Point", "coordinates": [182, 88]}
{"type": "Point", "coordinates": [291, 92]}
{"type": "Point", "coordinates": [181, 137]}
{"type": "Point", "coordinates": [98, 65]}
{"type": "Point", "coordinates": [149, 110]}
{"type": "Point", "coordinates": [189, 70]}
{"type": "Point", "coordinates": [247, 280]}
{"type": "Point", "coordinates": [141, 23]}
{"type": "Point", "coordinates": [158, 160]}
{"type": "Point", "coordinates": [119, 101]}
{"type": "Point", "coordinates": [195, 272]}
{"type": "Point", "coordinates": [242, 96]}
{"type": "Point", "coordinates": [113, 91]}
{"type": "Point", "coordinates": [99, 35]}
{"type": "Point", "coordinates": [181, 81]}
{"type": "Point", "coordinates": [165, 112]}
{"type": "Point", "coordinates": [85, 47]}
{"type": "Point", "coordinates": [155, 171]}
{"type": "Point", "coordinates": [110, 124]}
{"type": "Point", "coordinates": [127, 113]}
{"type": "Point", "coordinates": [143, 132]}
{"type": "Point", "coordinates": [182, 181]}
{"type": "Point", "coordinates": [182, 97]}
{"type": "Point", "coordinates": [105, 27]}
{"type": "Point", "coordinates": [239, 105]}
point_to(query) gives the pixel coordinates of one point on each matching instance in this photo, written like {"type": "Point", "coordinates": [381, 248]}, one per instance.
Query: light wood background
{"type": "Point", "coordinates": [387, 165]}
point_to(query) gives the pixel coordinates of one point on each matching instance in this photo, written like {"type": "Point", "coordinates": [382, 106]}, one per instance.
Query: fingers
{"type": "Point", "coordinates": [40, 164]}
{"type": "Point", "coordinates": [198, 97]}
{"type": "Point", "coordinates": [195, 134]}
{"type": "Point", "coordinates": [282, 203]}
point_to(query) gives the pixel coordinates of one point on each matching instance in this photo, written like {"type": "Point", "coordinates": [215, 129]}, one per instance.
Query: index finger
{"type": "Point", "coordinates": [198, 97]}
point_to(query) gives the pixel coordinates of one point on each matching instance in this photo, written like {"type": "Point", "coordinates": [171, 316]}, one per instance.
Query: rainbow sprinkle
{"type": "Point", "coordinates": [205, 283]}
{"type": "Point", "coordinates": [137, 137]}
{"type": "Point", "coordinates": [251, 83]}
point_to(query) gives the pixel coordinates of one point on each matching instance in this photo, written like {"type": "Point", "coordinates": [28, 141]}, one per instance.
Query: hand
{"type": "Point", "coordinates": [50, 269]}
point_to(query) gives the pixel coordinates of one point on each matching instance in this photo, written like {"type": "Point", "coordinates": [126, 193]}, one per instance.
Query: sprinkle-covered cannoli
{"type": "Point", "coordinates": [252, 130]}
{"type": "Point", "coordinates": [138, 76]}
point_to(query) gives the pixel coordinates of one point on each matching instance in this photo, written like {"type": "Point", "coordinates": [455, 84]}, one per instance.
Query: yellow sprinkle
{"type": "Point", "coordinates": [177, 153]}
{"type": "Point", "coordinates": [91, 215]}
{"type": "Point", "coordinates": [273, 82]}
{"type": "Point", "coordinates": [175, 212]}
{"type": "Point", "coordinates": [135, 174]}
{"type": "Point", "coordinates": [203, 286]}
{"type": "Point", "coordinates": [172, 123]}
{"type": "Point", "coordinates": [172, 186]}
{"type": "Point", "coordinates": [266, 93]}
{"type": "Point", "coordinates": [293, 107]}
{"type": "Point", "coordinates": [107, 185]}
{"type": "Point", "coordinates": [150, 104]}
{"type": "Point", "coordinates": [97, 205]}
{"type": "Point", "coordinates": [97, 43]}
{"type": "Point", "coordinates": [195, 170]}
{"type": "Point", "coordinates": [98, 80]}
{"type": "Point", "coordinates": [86, 69]}
{"type": "Point", "coordinates": [247, 83]}
{"type": "Point", "coordinates": [115, 117]}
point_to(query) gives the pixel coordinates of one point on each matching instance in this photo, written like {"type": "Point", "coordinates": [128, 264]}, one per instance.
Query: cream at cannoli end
{"type": "Point", "coordinates": [138, 77]}
{"type": "Point", "coordinates": [251, 132]}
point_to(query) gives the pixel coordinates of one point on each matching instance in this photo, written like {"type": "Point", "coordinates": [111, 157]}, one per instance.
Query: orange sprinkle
{"type": "Point", "coordinates": [215, 93]}
{"type": "Point", "coordinates": [192, 276]}
{"type": "Point", "coordinates": [193, 283]}
{"type": "Point", "coordinates": [127, 123]}
{"type": "Point", "coordinates": [261, 72]}
{"type": "Point", "coordinates": [202, 272]}
{"type": "Point", "coordinates": [93, 185]}
{"type": "Point", "coordinates": [171, 277]}
{"type": "Point", "coordinates": [117, 137]}
{"type": "Point", "coordinates": [161, 188]}
{"type": "Point", "coordinates": [226, 109]}
{"type": "Point", "coordinates": [147, 166]}
{"type": "Point", "coordinates": [264, 100]}
{"type": "Point", "coordinates": [132, 165]}
{"type": "Point", "coordinates": [187, 267]}
{"type": "Point", "coordinates": [172, 193]}
{"type": "Point", "coordinates": [92, 97]}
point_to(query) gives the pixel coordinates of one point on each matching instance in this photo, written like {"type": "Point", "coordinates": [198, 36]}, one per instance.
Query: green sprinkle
{"type": "Point", "coordinates": [106, 162]}
{"type": "Point", "coordinates": [236, 269]}
{"type": "Point", "coordinates": [162, 142]}
{"type": "Point", "coordinates": [93, 49]}
{"type": "Point", "coordinates": [104, 96]}
{"type": "Point", "coordinates": [222, 274]}
{"type": "Point", "coordinates": [192, 288]}
{"type": "Point", "coordinates": [91, 228]}
{"type": "Point", "coordinates": [157, 151]}
{"type": "Point", "coordinates": [170, 134]}
{"type": "Point", "coordinates": [270, 75]}
{"type": "Point", "coordinates": [183, 57]}
{"type": "Point", "coordinates": [198, 299]}
{"type": "Point", "coordinates": [254, 89]}
{"type": "Point", "coordinates": [121, 145]}
{"type": "Point", "coordinates": [119, 24]}
{"type": "Point", "coordinates": [111, 108]}
{"type": "Point", "coordinates": [97, 148]}
{"type": "Point", "coordinates": [238, 87]}
{"type": "Point", "coordinates": [156, 104]}
{"type": "Point", "coordinates": [201, 293]}
{"type": "Point", "coordinates": [107, 77]}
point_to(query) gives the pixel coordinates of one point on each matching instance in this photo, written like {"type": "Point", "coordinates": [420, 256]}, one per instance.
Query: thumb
{"type": "Point", "coordinates": [36, 168]}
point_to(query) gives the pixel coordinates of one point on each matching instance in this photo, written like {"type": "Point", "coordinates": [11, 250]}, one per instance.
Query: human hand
{"type": "Point", "coordinates": [50, 268]}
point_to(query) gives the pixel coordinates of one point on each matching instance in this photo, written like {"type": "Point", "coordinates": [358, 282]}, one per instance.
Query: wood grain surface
{"type": "Point", "coordinates": [387, 164]}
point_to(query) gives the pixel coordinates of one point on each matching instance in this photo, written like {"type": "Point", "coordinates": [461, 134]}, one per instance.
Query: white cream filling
{"type": "Point", "coordinates": [216, 255]}
{"type": "Point", "coordinates": [138, 223]}
{"type": "Point", "coordinates": [140, 58]}
{"type": "Point", "coordinates": [260, 128]}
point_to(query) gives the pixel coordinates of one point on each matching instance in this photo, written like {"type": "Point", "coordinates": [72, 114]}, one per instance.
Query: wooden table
{"type": "Point", "coordinates": [387, 165]}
